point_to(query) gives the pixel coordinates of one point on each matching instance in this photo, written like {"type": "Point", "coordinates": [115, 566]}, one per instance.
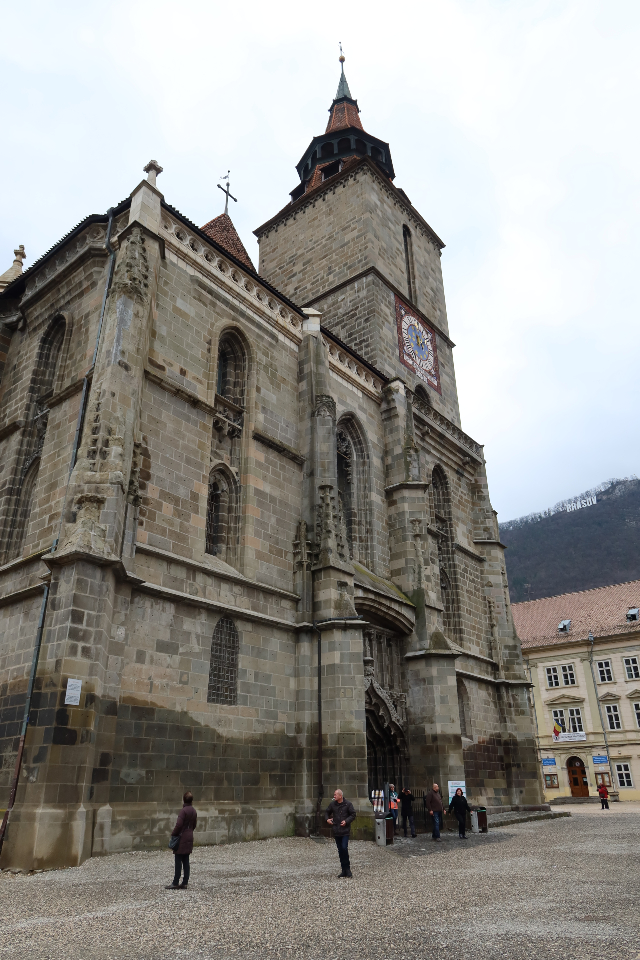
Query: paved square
{"type": "Point", "coordinates": [564, 888]}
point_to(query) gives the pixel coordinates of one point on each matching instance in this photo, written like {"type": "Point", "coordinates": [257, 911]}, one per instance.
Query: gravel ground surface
{"type": "Point", "coordinates": [555, 888]}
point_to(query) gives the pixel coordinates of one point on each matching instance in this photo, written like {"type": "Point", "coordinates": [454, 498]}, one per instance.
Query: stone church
{"type": "Point", "coordinates": [246, 547]}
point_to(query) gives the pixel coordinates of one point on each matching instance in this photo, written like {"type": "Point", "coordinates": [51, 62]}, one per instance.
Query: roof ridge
{"type": "Point", "coordinates": [573, 593]}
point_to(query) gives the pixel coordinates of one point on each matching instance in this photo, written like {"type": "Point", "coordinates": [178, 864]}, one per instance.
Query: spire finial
{"type": "Point", "coordinates": [225, 190]}
{"type": "Point", "coordinates": [343, 86]}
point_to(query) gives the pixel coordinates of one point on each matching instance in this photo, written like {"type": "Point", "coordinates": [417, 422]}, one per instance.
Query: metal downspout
{"type": "Point", "coordinates": [45, 598]}
{"type": "Point", "coordinates": [604, 732]}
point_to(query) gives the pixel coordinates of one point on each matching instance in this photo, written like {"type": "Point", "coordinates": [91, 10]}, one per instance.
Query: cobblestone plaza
{"type": "Point", "coordinates": [557, 889]}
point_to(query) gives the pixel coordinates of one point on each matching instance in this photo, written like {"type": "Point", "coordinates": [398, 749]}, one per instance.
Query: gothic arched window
{"type": "Point", "coordinates": [408, 259]}
{"type": "Point", "coordinates": [43, 382]}
{"type": "Point", "coordinates": [231, 373]}
{"type": "Point", "coordinates": [22, 509]}
{"type": "Point", "coordinates": [223, 666]}
{"type": "Point", "coordinates": [442, 516]}
{"type": "Point", "coordinates": [222, 515]}
{"type": "Point", "coordinates": [463, 709]}
{"type": "Point", "coordinates": [353, 489]}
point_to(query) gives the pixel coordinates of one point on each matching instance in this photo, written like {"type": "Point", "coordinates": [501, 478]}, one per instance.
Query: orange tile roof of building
{"type": "Point", "coordinates": [603, 611]}
{"type": "Point", "coordinates": [343, 115]}
{"type": "Point", "coordinates": [222, 230]}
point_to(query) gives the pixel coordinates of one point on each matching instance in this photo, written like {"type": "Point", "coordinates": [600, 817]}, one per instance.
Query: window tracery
{"type": "Point", "coordinates": [43, 382]}
{"type": "Point", "coordinates": [353, 490]}
{"type": "Point", "coordinates": [223, 666]}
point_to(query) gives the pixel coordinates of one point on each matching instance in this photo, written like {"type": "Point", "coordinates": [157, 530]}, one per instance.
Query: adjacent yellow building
{"type": "Point", "coordinates": [583, 653]}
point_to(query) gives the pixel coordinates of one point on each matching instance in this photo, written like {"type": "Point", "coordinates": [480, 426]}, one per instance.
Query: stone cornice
{"type": "Point", "coordinates": [351, 172]}
{"type": "Point", "coordinates": [432, 418]}
{"type": "Point", "coordinates": [202, 256]}
{"type": "Point", "coordinates": [373, 271]}
{"type": "Point", "coordinates": [278, 446]}
{"type": "Point", "coordinates": [229, 575]}
{"type": "Point", "coordinates": [238, 613]}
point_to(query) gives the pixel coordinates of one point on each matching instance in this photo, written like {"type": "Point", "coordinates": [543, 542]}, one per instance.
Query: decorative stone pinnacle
{"type": "Point", "coordinates": [19, 255]}
{"type": "Point", "coordinates": [152, 169]}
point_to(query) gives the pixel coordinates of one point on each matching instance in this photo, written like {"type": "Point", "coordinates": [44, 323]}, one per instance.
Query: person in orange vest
{"type": "Point", "coordinates": [603, 793]}
{"type": "Point", "coordinates": [393, 805]}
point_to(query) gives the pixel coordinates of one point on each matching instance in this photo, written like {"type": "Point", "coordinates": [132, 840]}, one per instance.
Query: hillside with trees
{"type": "Point", "coordinates": [590, 541]}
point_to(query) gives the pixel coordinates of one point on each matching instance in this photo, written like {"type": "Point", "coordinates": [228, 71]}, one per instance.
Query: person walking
{"type": "Point", "coordinates": [436, 809]}
{"type": "Point", "coordinates": [393, 805]}
{"type": "Point", "coordinates": [406, 804]}
{"type": "Point", "coordinates": [603, 793]}
{"type": "Point", "coordinates": [341, 814]}
{"type": "Point", "coordinates": [459, 806]}
{"type": "Point", "coordinates": [185, 825]}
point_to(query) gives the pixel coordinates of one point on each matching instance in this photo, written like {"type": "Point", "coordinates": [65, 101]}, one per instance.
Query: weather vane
{"type": "Point", "coordinates": [226, 192]}
{"type": "Point", "coordinates": [341, 58]}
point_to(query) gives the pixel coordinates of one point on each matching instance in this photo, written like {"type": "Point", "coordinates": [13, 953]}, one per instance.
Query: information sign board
{"type": "Point", "coordinates": [72, 695]}
{"type": "Point", "coordinates": [453, 786]}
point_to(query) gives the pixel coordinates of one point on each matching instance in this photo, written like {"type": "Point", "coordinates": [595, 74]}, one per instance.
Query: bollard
{"type": "Point", "coordinates": [474, 822]}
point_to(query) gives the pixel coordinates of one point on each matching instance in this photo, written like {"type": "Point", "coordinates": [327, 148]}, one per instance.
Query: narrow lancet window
{"type": "Point", "coordinates": [223, 668]}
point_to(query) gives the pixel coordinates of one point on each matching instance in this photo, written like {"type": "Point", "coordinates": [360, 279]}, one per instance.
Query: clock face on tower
{"type": "Point", "coordinates": [417, 343]}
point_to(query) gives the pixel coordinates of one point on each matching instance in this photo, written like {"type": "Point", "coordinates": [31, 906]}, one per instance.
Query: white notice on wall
{"type": "Point", "coordinates": [453, 786]}
{"type": "Point", "coordinates": [73, 692]}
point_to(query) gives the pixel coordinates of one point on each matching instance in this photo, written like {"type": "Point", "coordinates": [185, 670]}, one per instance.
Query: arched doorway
{"type": "Point", "coordinates": [577, 777]}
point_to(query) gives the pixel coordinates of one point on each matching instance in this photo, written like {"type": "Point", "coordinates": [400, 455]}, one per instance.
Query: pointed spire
{"type": "Point", "coordinates": [344, 110]}
{"type": "Point", "coordinates": [343, 86]}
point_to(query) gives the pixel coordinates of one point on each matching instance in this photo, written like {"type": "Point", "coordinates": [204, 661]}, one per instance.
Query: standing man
{"type": "Point", "coordinates": [435, 808]}
{"type": "Point", "coordinates": [406, 803]}
{"type": "Point", "coordinates": [603, 793]}
{"type": "Point", "coordinates": [393, 805]}
{"type": "Point", "coordinates": [341, 814]}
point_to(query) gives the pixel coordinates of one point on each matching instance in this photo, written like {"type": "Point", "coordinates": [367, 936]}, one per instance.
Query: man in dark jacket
{"type": "Point", "coordinates": [435, 808]}
{"type": "Point", "coordinates": [185, 825]}
{"type": "Point", "coordinates": [459, 806]}
{"type": "Point", "coordinates": [341, 814]}
{"type": "Point", "coordinates": [406, 808]}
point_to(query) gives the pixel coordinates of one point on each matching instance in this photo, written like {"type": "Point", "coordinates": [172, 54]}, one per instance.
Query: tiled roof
{"type": "Point", "coordinates": [343, 115]}
{"type": "Point", "coordinates": [603, 611]}
{"type": "Point", "coordinates": [222, 230]}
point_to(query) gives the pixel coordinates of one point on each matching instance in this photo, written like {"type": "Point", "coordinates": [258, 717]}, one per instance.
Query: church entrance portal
{"type": "Point", "coordinates": [577, 777]}
{"type": "Point", "coordinates": [385, 709]}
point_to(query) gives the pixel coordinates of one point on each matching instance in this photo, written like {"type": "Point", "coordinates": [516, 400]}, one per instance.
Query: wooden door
{"type": "Point", "coordinates": [577, 777]}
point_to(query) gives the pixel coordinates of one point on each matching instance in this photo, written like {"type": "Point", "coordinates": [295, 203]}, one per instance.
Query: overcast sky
{"type": "Point", "coordinates": [513, 129]}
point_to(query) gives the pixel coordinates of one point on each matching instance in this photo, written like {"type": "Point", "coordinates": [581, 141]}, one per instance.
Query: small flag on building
{"type": "Point", "coordinates": [557, 730]}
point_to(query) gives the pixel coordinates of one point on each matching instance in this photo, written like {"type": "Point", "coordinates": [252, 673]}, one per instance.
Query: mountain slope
{"type": "Point", "coordinates": [578, 549]}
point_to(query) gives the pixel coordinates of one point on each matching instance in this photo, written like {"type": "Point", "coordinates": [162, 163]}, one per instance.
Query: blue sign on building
{"type": "Point", "coordinates": [550, 761]}
{"type": "Point", "coordinates": [601, 760]}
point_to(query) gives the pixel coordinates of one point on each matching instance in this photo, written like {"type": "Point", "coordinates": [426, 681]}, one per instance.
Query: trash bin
{"type": "Point", "coordinates": [384, 831]}
{"type": "Point", "coordinates": [482, 820]}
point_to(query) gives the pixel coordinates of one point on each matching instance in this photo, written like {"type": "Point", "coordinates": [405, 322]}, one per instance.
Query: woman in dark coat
{"type": "Point", "coordinates": [459, 806]}
{"type": "Point", "coordinates": [186, 824]}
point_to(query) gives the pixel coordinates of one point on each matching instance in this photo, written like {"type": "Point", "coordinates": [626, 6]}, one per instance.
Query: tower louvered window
{"type": "Point", "coordinates": [223, 668]}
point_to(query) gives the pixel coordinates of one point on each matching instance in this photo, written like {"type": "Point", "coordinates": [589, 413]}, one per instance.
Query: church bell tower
{"type": "Point", "coordinates": [351, 245]}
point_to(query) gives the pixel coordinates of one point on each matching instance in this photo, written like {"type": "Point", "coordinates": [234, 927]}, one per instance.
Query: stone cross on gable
{"type": "Point", "coordinates": [19, 255]}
